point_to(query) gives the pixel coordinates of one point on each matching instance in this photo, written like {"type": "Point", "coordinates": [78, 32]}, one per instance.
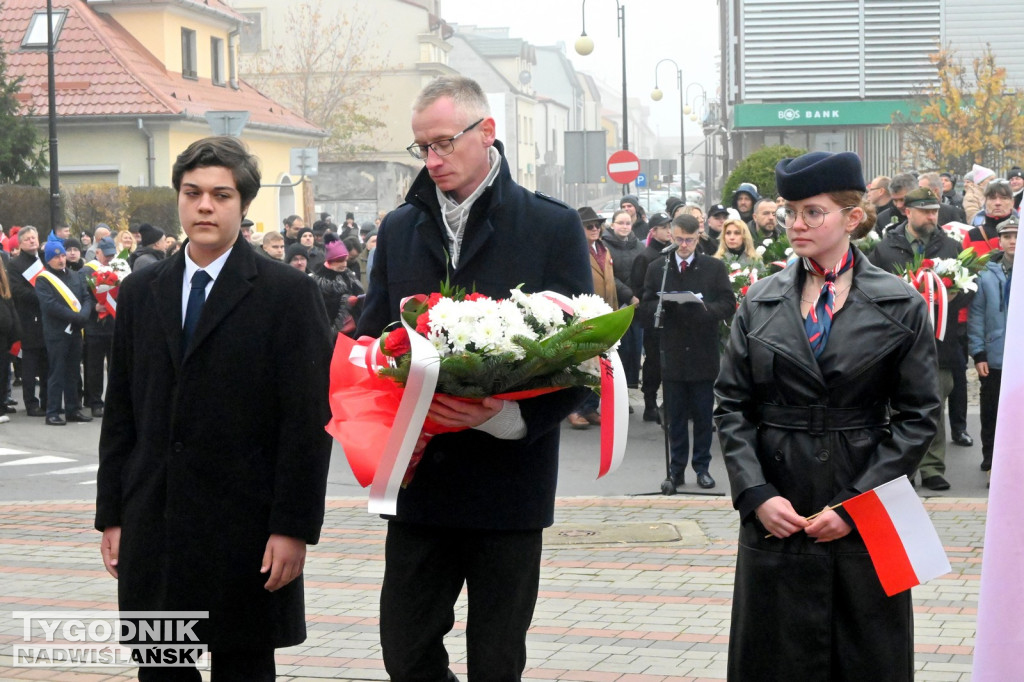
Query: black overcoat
{"type": "Point", "coordinates": [203, 457]}
{"type": "Point", "coordinates": [25, 300]}
{"type": "Point", "coordinates": [804, 610]}
{"type": "Point", "coordinates": [689, 337]}
{"type": "Point", "coordinates": [472, 479]}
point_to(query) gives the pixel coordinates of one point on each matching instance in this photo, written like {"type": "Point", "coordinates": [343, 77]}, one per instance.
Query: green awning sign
{"type": "Point", "coordinates": [801, 114]}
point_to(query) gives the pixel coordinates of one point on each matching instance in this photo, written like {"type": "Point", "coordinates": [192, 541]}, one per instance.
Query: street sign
{"type": "Point", "coordinates": [623, 167]}
{"type": "Point", "coordinates": [641, 180]}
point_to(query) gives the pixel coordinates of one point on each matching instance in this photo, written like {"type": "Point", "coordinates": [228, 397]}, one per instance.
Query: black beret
{"type": "Point", "coordinates": [818, 173]}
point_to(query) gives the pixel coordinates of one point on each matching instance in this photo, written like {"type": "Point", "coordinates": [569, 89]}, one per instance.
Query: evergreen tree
{"type": "Point", "coordinates": [22, 161]}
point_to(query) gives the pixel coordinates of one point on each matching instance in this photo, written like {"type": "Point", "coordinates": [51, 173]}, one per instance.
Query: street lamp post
{"type": "Point", "coordinates": [656, 95]}
{"type": "Point", "coordinates": [585, 45]}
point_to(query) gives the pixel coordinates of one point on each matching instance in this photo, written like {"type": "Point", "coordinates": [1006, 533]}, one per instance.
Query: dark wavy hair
{"type": "Point", "coordinates": [224, 151]}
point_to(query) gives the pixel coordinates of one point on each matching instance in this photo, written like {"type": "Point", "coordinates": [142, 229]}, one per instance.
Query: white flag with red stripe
{"type": "Point", "coordinates": [32, 271]}
{"type": "Point", "coordinates": [904, 546]}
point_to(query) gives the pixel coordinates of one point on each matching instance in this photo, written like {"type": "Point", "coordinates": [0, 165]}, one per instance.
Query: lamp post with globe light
{"type": "Point", "coordinates": [656, 95]}
{"type": "Point", "coordinates": [585, 45]}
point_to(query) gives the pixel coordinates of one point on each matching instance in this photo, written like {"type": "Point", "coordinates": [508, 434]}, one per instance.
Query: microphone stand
{"type": "Point", "coordinates": [668, 486]}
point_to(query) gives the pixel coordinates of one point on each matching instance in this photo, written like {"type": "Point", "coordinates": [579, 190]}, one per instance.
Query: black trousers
{"type": "Point", "coordinates": [225, 666]}
{"type": "Point", "coordinates": [65, 359]}
{"type": "Point", "coordinates": [34, 368]}
{"type": "Point", "coordinates": [652, 364]}
{"type": "Point", "coordinates": [989, 399]}
{"type": "Point", "coordinates": [96, 354]}
{"type": "Point", "coordinates": [686, 400]}
{"type": "Point", "coordinates": [425, 568]}
{"type": "Point", "coordinates": [958, 398]}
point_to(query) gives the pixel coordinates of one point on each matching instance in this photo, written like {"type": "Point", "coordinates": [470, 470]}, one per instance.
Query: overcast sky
{"type": "Point", "coordinates": [686, 32]}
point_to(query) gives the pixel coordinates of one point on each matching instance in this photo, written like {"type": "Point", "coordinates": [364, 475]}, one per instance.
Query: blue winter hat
{"type": "Point", "coordinates": [748, 188]}
{"type": "Point", "coordinates": [53, 248]}
{"type": "Point", "coordinates": [817, 173]}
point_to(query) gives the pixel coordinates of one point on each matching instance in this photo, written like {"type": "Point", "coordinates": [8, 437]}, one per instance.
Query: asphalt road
{"type": "Point", "coordinates": [39, 462]}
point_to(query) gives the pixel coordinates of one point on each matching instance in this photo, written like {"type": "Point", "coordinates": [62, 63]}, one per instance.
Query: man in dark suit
{"type": "Point", "coordinates": [474, 512]}
{"type": "Point", "coordinates": [22, 271]}
{"type": "Point", "coordinates": [205, 506]}
{"type": "Point", "coordinates": [689, 339]}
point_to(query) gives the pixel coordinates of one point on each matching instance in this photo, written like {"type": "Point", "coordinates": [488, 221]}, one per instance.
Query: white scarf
{"type": "Point", "coordinates": [455, 214]}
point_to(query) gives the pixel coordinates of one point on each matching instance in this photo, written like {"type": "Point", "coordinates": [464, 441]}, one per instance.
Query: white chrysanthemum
{"type": "Point", "coordinates": [487, 332]}
{"type": "Point", "coordinates": [547, 313]}
{"type": "Point", "coordinates": [591, 366]}
{"type": "Point", "coordinates": [767, 243]}
{"type": "Point", "coordinates": [440, 343]}
{"type": "Point", "coordinates": [735, 265]}
{"type": "Point", "coordinates": [760, 250]}
{"type": "Point", "coordinates": [459, 337]}
{"type": "Point", "coordinates": [789, 251]}
{"type": "Point", "coordinates": [444, 315]}
{"type": "Point", "coordinates": [588, 306]}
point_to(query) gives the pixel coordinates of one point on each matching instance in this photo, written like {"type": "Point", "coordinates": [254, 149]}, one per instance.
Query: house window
{"type": "Point", "coordinates": [217, 61]}
{"type": "Point", "coordinates": [251, 34]}
{"type": "Point", "coordinates": [35, 36]}
{"type": "Point", "coordinates": [188, 53]}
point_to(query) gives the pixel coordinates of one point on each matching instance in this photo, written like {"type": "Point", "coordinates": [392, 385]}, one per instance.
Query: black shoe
{"type": "Point", "coordinates": [679, 478]}
{"type": "Point", "coordinates": [986, 463]}
{"type": "Point", "coordinates": [97, 412]}
{"type": "Point", "coordinates": [651, 414]}
{"type": "Point", "coordinates": [36, 412]}
{"type": "Point", "coordinates": [963, 439]}
{"type": "Point", "coordinates": [704, 480]}
{"type": "Point", "coordinates": [55, 421]}
{"type": "Point", "coordinates": [935, 482]}
{"type": "Point", "coordinates": [10, 401]}
{"type": "Point", "coordinates": [79, 416]}
{"type": "Point", "coordinates": [10, 409]}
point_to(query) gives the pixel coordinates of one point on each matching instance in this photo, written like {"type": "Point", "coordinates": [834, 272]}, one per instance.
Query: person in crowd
{"type": "Point", "coordinates": [998, 206]}
{"type": "Point", "coordinates": [743, 200]}
{"type": "Point", "coordinates": [878, 192]}
{"type": "Point", "coordinates": [717, 215]}
{"type": "Point", "coordinates": [602, 269]}
{"type": "Point", "coordinates": [314, 253]}
{"type": "Point", "coordinates": [197, 336]}
{"type": "Point", "coordinates": [10, 334]}
{"type": "Point", "coordinates": [152, 245]}
{"type": "Point", "coordinates": [467, 519]}
{"type": "Point", "coordinates": [247, 226]}
{"type": "Point", "coordinates": [674, 205]}
{"type": "Point", "coordinates": [86, 240]}
{"type": "Point", "coordinates": [986, 331]}
{"type": "Point", "coordinates": [366, 257]}
{"type": "Point", "coordinates": [22, 272]}
{"type": "Point", "coordinates": [975, 184]}
{"type": "Point", "coordinates": [292, 225]}
{"type": "Point", "coordinates": [65, 305]}
{"type": "Point", "coordinates": [102, 230]}
{"type": "Point", "coordinates": [1015, 176]}
{"type": "Point", "coordinates": [921, 236]}
{"type": "Point", "coordinates": [339, 286]}
{"type": "Point", "coordinates": [947, 212]}
{"type": "Point", "coordinates": [126, 242]}
{"type": "Point", "coordinates": [949, 194]}
{"type": "Point", "coordinates": [737, 245]}
{"type": "Point", "coordinates": [624, 247]}
{"type": "Point", "coordinates": [631, 204]}
{"type": "Point", "coordinates": [708, 243]}
{"type": "Point", "coordinates": [74, 249]}
{"type": "Point", "coordinates": [895, 212]}
{"type": "Point", "coordinates": [324, 224]}
{"type": "Point", "coordinates": [273, 245]}
{"type": "Point", "coordinates": [355, 247]}
{"type": "Point", "coordinates": [349, 227]}
{"type": "Point", "coordinates": [765, 225]}
{"type": "Point", "coordinates": [659, 239]}
{"type": "Point", "coordinates": [295, 256]}
{"type": "Point", "coordinates": [99, 338]}
{"type": "Point", "coordinates": [689, 343]}
{"type": "Point", "coordinates": [827, 390]}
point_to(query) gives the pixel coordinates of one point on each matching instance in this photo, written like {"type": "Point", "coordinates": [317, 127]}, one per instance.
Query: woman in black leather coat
{"type": "Point", "coordinates": [803, 431]}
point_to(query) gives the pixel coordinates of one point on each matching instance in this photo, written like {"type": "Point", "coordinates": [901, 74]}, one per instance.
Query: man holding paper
{"type": "Point", "coordinates": [689, 340]}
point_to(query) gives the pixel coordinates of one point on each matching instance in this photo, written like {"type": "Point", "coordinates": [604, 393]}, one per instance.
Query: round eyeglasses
{"type": "Point", "coordinates": [439, 147]}
{"type": "Point", "coordinates": [812, 216]}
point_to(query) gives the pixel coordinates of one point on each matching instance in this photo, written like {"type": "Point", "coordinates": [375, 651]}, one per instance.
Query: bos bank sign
{"type": "Point", "coordinates": [799, 114]}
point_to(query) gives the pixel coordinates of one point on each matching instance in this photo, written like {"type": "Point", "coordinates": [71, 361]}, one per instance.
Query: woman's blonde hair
{"type": "Point", "coordinates": [748, 240]}
{"type": "Point", "coordinates": [5, 286]}
{"type": "Point", "coordinates": [120, 247]}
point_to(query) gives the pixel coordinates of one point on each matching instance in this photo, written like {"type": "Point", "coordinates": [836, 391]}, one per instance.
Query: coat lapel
{"type": "Point", "coordinates": [783, 332]}
{"type": "Point", "coordinates": [232, 285]}
{"type": "Point", "coordinates": [167, 294]}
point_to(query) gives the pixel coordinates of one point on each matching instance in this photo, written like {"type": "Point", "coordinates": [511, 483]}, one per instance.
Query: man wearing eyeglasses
{"type": "Point", "coordinates": [689, 340]}
{"type": "Point", "coordinates": [474, 513]}
{"type": "Point", "coordinates": [921, 237]}
{"type": "Point", "coordinates": [878, 192]}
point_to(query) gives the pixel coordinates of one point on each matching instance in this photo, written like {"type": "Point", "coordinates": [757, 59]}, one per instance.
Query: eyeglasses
{"type": "Point", "coordinates": [813, 216]}
{"type": "Point", "coordinates": [439, 147]}
{"type": "Point", "coordinates": [592, 226]}
{"type": "Point", "coordinates": [685, 241]}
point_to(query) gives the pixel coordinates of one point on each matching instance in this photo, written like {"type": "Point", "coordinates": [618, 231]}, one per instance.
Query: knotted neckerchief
{"type": "Point", "coordinates": [819, 319]}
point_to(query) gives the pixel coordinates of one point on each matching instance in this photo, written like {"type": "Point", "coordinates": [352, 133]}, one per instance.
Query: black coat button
{"type": "Point", "coordinates": [823, 455]}
{"type": "Point", "coordinates": [179, 447]}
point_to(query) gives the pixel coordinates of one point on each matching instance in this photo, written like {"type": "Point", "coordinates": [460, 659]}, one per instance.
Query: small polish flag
{"type": "Point", "coordinates": [15, 349]}
{"type": "Point", "coordinates": [32, 271]}
{"type": "Point", "coordinates": [900, 538]}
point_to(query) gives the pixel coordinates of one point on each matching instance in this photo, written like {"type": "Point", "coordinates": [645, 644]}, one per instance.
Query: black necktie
{"type": "Point", "coordinates": [194, 308]}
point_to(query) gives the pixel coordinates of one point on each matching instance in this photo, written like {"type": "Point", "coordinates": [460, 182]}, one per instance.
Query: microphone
{"type": "Point", "coordinates": [669, 249]}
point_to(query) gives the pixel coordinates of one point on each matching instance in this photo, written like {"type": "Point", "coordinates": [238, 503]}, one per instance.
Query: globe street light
{"type": "Point", "coordinates": [656, 95]}
{"type": "Point", "coordinates": [585, 45]}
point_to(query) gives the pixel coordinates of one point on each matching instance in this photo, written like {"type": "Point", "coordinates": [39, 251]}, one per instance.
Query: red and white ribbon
{"type": "Point", "coordinates": [934, 291]}
{"type": "Point", "coordinates": [614, 413]}
{"type": "Point", "coordinates": [412, 411]}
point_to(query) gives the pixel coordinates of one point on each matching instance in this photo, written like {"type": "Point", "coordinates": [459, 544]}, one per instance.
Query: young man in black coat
{"type": "Point", "coordinates": [689, 339]}
{"type": "Point", "coordinates": [21, 273]}
{"type": "Point", "coordinates": [475, 511]}
{"type": "Point", "coordinates": [205, 506]}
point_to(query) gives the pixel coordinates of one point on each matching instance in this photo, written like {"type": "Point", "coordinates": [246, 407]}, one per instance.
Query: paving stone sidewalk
{"type": "Point", "coordinates": [632, 590]}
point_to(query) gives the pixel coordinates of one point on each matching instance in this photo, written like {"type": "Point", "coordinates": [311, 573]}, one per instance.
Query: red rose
{"type": "Point", "coordinates": [423, 323]}
{"type": "Point", "coordinates": [743, 291]}
{"type": "Point", "coordinates": [396, 344]}
{"type": "Point", "coordinates": [927, 263]}
{"type": "Point", "coordinates": [947, 282]}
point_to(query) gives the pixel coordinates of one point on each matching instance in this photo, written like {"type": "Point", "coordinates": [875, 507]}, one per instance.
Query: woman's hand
{"type": "Point", "coordinates": [828, 526]}
{"type": "Point", "coordinates": [779, 518]}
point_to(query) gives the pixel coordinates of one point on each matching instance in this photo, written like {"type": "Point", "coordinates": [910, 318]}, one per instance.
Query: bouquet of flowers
{"type": "Point", "coordinates": [775, 254]}
{"type": "Point", "coordinates": [741, 277]}
{"type": "Point", "coordinates": [104, 282]}
{"type": "Point", "coordinates": [471, 347]}
{"type": "Point", "coordinates": [939, 279]}
{"type": "Point", "coordinates": [868, 242]}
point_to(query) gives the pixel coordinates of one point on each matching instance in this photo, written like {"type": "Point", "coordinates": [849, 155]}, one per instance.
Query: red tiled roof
{"type": "Point", "coordinates": [102, 70]}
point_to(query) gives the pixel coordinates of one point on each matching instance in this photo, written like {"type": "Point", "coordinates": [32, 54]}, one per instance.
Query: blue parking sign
{"type": "Point", "coordinates": [641, 180]}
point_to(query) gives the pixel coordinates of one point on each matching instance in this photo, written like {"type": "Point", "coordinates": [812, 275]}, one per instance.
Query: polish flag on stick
{"type": "Point", "coordinates": [32, 271]}
{"type": "Point", "coordinates": [900, 538]}
{"type": "Point", "coordinates": [1000, 636]}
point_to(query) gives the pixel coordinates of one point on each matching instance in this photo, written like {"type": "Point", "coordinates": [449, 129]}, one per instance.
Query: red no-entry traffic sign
{"type": "Point", "coordinates": [623, 167]}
